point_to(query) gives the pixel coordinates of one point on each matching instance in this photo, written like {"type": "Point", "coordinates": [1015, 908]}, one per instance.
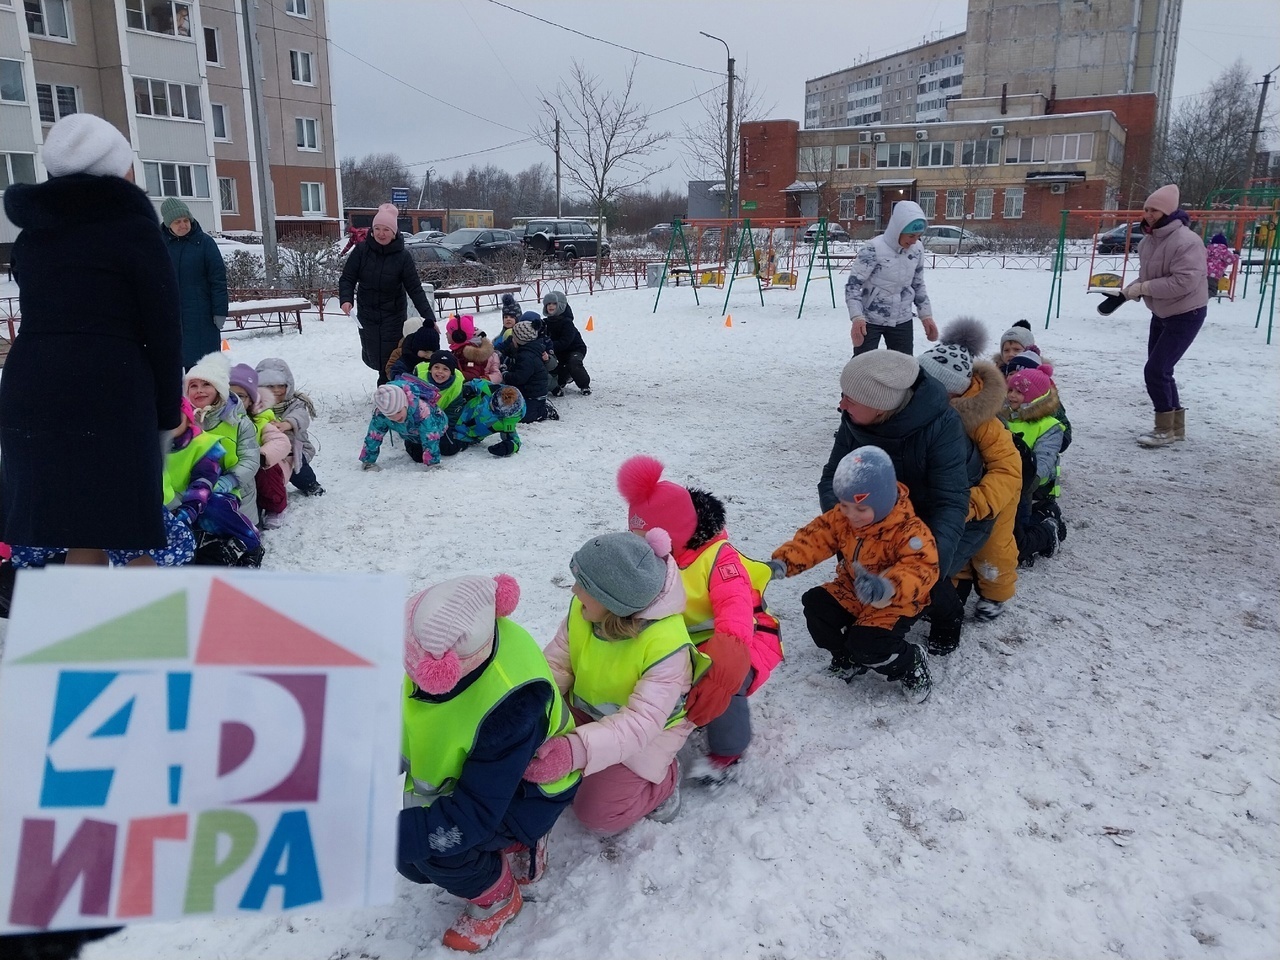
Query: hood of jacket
{"type": "Point", "coordinates": [194, 235]}
{"type": "Point", "coordinates": [984, 398]}
{"type": "Point", "coordinates": [903, 213]}
{"type": "Point", "coordinates": [1045, 406]}
{"type": "Point", "coordinates": [278, 372]}
{"type": "Point", "coordinates": [670, 599]}
{"type": "Point", "coordinates": [64, 202]}
{"type": "Point", "coordinates": [477, 352]}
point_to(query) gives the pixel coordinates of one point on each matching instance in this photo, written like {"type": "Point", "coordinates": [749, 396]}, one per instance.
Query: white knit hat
{"type": "Point", "coordinates": [449, 628]}
{"type": "Point", "coordinates": [83, 143]}
{"type": "Point", "coordinates": [390, 400]}
{"type": "Point", "coordinates": [212, 368]}
{"type": "Point", "coordinates": [950, 364]}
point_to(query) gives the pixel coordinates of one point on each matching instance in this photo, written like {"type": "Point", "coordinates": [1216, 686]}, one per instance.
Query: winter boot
{"type": "Point", "coordinates": [484, 916]}
{"type": "Point", "coordinates": [987, 609]}
{"type": "Point", "coordinates": [714, 770]}
{"type": "Point", "coordinates": [916, 682]}
{"type": "Point", "coordinates": [1050, 526]}
{"type": "Point", "coordinates": [666, 811]}
{"type": "Point", "coordinates": [1180, 424]}
{"type": "Point", "coordinates": [1162, 434]}
{"type": "Point", "coordinates": [528, 866]}
{"type": "Point", "coordinates": [842, 668]}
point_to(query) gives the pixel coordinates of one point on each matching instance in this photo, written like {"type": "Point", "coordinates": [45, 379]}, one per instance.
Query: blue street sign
{"type": "Point", "coordinates": [399, 195]}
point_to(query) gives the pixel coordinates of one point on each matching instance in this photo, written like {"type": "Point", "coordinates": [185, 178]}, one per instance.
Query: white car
{"type": "Point", "coordinates": [948, 239]}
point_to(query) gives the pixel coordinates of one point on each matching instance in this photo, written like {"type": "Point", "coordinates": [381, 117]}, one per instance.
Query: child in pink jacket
{"type": "Point", "coordinates": [276, 466]}
{"type": "Point", "coordinates": [624, 661]}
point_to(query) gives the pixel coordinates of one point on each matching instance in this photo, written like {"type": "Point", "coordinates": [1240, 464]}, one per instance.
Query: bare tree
{"type": "Point", "coordinates": [703, 138]}
{"type": "Point", "coordinates": [604, 139]}
{"type": "Point", "coordinates": [367, 182]}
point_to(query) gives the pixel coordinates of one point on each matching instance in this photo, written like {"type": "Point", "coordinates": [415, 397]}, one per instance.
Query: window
{"type": "Point", "coordinates": [873, 208]}
{"type": "Point", "coordinates": [955, 204]}
{"type": "Point", "coordinates": [1115, 151]}
{"type": "Point", "coordinates": [159, 98]}
{"type": "Point", "coordinates": [300, 66]}
{"type": "Point", "coordinates": [1025, 150]}
{"type": "Point", "coordinates": [848, 206]}
{"type": "Point", "coordinates": [928, 203]}
{"type": "Point", "coordinates": [1070, 147]}
{"type": "Point", "coordinates": [212, 46]}
{"type": "Point", "coordinates": [176, 179]}
{"type": "Point", "coordinates": [17, 168]}
{"type": "Point", "coordinates": [850, 157]}
{"type": "Point", "coordinates": [893, 155]}
{"type": "Point", "coordinates": [308, 129]}
{"type": "Point", "coordinates": [56, 101]}
{"type": "Point", "coordinates": [227, 194]}
{"type": "Point", "coordinates": [1013, 203]}
{"type": "Point", "coordinates": [981, 153]}
{"type": "Point", "coordinates": [313, 199]}
{"type": "Point", "coordinates": [169, 17]}
{"type": "Point", "coordinates": [218, 114]}
{"type": "Point", "coordinates": [12, 86]}
{"type": "Point", "coordinates": [813, 159]}
{"type": "Point", "coordinates": [297, 8]}
{"type": "Point", "coordinates": [983, 200]}
{"type": "Point", "coordinates": [936, 154]}
{"type": "Point", "coordinates": [48, 18]}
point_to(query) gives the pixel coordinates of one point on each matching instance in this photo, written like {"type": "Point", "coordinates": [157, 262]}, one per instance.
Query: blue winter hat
{"type": "Point", "coordinates": [915, 226]}
{"type": "Point", "coordinates": [532, 317]}
{"type": "Point", "coordinates": [866, 477]}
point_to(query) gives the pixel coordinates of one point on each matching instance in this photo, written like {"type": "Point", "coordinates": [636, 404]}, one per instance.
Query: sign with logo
{"type": "Point", "coordinates": [197, 742]}
{"type": "Point", "coordinates": [748, 204]}
{"type": "Point", "coordinates": [400, 196]}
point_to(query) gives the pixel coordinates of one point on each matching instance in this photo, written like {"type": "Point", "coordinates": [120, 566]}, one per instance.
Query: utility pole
{"type": "Point", "coordinates": [728, 134]}
{"type": "Point", "coordinates": [554, 113]}
{"type": "Point", "coordinates": [258, 129]}
{"type": "Point", "coordinates": [426, 187]}
{"type": "Point", "coordinates": [1257, 127]}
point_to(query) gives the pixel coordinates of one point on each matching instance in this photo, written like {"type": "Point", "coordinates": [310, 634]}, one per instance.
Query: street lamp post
{"type": "Point", "coordinates": [559, 208]}
{"type": "Point", "coordinates": [728, 132]}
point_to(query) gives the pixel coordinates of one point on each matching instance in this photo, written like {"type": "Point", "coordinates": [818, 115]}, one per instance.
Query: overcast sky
{"type": "Point", "coordinates": [495, 63]}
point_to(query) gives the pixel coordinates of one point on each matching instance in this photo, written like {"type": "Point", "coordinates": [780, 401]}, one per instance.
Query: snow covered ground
{"type": "Point", "coordinates": [1096, 773]}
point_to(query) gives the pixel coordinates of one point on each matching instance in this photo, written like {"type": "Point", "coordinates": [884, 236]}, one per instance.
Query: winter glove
{"type": "Point", "coordinates": [778, 567]}
{"type": "Point", "coordinates": [556, 758]}
{"type": "Point", "coordinates": [930, 328]}
{"type": "Point", "coordinates": [468, 392]}
{"type": "Point", "coordinates": [219, 322]}
{"type": "Point", "coordinates": [871, 588]}
{"type": "Point", "coordinates": [504, 449]}
{"type": "Point", "coordinates": [226, 484]}
{"type": "Point", "coordinates": [1136, 290]}
{"type": "Point", "coordinates": [369, 465]}
{"type": "Point", "coordinates": [710, 696]}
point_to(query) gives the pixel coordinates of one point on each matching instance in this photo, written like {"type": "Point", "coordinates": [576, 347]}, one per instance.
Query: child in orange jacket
{"type": "Point", "coordinates": [888, 563]}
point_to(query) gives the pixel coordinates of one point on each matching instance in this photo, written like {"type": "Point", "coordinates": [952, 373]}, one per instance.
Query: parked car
{"type": "Point", "coordinates": [947, 239]}
{"type": "Point", "coordinates": [564, 239]}
{"type": "Point", "coordinates": [442, 267]}
{"type": "Point", "coordinates": [835, 233]}
{"type": "Point", "coordinates": [659, 233]}
{"type": "Point", "coordinates": [481, 243]}
{"type": "Point", "coordinates": [1113, 240]}
{"type": "Point", "coordinates": [427, 236]}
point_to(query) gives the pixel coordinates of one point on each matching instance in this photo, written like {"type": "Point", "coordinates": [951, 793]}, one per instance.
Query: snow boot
{"type": "Point", "coordinates": [1162, 434]}
{"type": "Point", "coordinates": [916, 682]}
{"type": "Point", "coordinates": [714, 770]}
{"type": "Point", "coordinates": [845, 669]}
{"type": "Point", "coordinates": [528, 866]}
{"type": "Point", "coordinates": [986, 610]}
{"type": "Point", "coordinates": [484, 916]}
{"type": "Point", "coordinates": [1180, 424]}
{"type": "Point", "coordinates": [666, 811]}
{"type": "Point", "coordinates": [944, 637]}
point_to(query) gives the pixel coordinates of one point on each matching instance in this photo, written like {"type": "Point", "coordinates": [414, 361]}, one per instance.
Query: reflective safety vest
{"type": "Point", "coordinates": [606, 671]}
{"type": "Point", "coordinates": [260, 421]}
{"type": "Point", "coordinates": [178, 464]}
{"type": "Point", "coordinates": [226, 430]}
{"type": "Point", "coordinates": [1032, 430]}
{"type": "Point", "coordinates": [448, 394]}
{"type": "Point", "coordinates": [698, 615]}
{"type": "Point", "coordinates": [437, 738]}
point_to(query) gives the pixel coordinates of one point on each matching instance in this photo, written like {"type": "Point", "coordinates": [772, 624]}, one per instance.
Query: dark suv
{"type": "Point", "coordinates": [561, 239]}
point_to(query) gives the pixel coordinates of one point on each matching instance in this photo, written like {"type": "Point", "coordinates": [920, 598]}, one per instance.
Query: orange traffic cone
{"type": "Point", "coordinates": [226, 347]}
{"type": "Point", "coordinates": [728, 320]}
{"type": "Point", "coordinates": [591, 324]}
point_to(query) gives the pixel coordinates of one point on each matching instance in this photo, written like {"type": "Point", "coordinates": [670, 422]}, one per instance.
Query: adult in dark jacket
{"type": "Point", "coordinates": [527, 373]}
{"type": "Point", "coordinates": [202, 281]}
{"type": "Point", "coordinates": [379, 278]}
{"type": "Point", "coordinates": [570, 348]}
{"type": "Point", "coordinates": [92, 271]}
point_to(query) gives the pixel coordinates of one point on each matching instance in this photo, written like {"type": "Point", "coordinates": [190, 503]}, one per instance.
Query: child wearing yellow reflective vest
{"type": "Point", "coordinates": [274, 447]}
{"type": "Point", "coordinates": [219, 411]}
{"type": "Point", "coordinates": [623, 660]}
{"type": "Point", "coordinates": [1031, 411]}
{"type": "Point", "coordinates": [724, 609]}
{"type": "Point", "coordinates": [478, 702]}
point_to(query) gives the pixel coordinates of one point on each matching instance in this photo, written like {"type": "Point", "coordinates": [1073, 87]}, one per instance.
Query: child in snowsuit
{"type": "Point", "coordinates": [977, 392]}
{"type": "Point", "coordinates": [570, 348]}
{"type": "Point", "coordinates": [440, 370]}
{"type": "Point", "coordinates": [1218, 262]}
{"type": "Point", "coordinates": [1030, 409]}
{"type": "Point", "coordinates": [405, 409]}
{"type": "Point", "coordinates": [1017, 339]}
{"type": "Point", "coordinates": [478, 701]}
{"type": "Point", "coordinates": [525, 371]}
{"type": "Point", "coordinates": [477, 360]}
{"type": "Point", "coordinates": [219, 411]}
{"type": "Point", "coordinates": [887, 564]}
{"type": "Point", "coordinates": [1029, 359]}
{"type": "Point", "coordinates": [510, 317]}
{"type": "Point", "coordinates": [413, 349]}
{"type": "Point", "coordinates": [294, 411]}
{"type": "Point", "coordinates": [273, 497]}
{"type": "Point", "coordinates": [724, 609]}
{"type": "Point", "coordinates": [483, 410]}
{"type": "Point", "coordinates": [624, 660]}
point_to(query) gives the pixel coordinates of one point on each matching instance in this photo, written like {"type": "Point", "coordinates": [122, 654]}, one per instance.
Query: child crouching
{"type": "Point", "coordinates": [1031, 411]}
{"type": "Point", "coordinates": [406, 410]}
{"type": "Point", "coordinates": [294, 412]}
{"type": "Point", "coordinates": [273, 497]}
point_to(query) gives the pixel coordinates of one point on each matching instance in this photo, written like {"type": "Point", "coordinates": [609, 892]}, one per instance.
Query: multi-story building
{"type": "Point", "coordinates": [173, 77]}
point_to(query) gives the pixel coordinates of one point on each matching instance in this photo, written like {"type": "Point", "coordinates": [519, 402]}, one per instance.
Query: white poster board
{"type": "Point", "coordinates": [197, 742]}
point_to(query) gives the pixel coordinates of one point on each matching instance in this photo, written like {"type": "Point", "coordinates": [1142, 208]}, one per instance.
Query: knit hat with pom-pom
{"type": "Point", "coordinates": [1032, 383]}
{"type": "Point", "coordinates": [450, 628]}
{"type": "Point", "coordinates": [951, 361]}
{"type": "Point", "coordinates": [624, 572]}
{"type": "Point", "coordinates": [654, 502]}
{"type": "Point", "coordinates": [390, 400]}
{"type": "Point", "coordinates": [510, 308]}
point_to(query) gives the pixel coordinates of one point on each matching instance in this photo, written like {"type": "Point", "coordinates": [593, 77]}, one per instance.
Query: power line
{"type": "Point", "coordinates": [473, 153]}
{"type": "Point", "coordinates": [561, 26]}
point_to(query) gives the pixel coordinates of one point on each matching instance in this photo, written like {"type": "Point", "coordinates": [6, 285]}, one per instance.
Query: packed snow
{"type": "Point", "coordinates": [1095, 774]}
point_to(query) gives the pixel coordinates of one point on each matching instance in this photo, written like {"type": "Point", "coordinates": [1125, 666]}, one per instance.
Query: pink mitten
{"type": "Point", "coordinates": [554, 759]}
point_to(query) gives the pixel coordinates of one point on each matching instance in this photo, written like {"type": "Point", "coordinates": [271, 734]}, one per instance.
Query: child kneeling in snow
{"type": "Point", "coordinates": [405, 409]}
{"type": "Point", "coordinates": [888, 563]}
{"type": "Point", "coordinates": [273, 497]}
{"type": "Point", "coordinates": [481, 410]}
{"type": "Point", "coordinates": [294, 411]}
{"type": "Point", "coordinates": [478, 701]}
{"type": "Point", "coordinates": [1031, 411]}
{"type": "Point", "coordinates": [624, 659]}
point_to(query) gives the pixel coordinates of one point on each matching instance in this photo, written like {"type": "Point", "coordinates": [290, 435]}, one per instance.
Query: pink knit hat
{"type": "Point", "coordinates": [460, 331]}
{"type": "Point", "coordinates": [1033, 382]}
{"type": "Point", "coordinates": [388, 215]}
{"type": "Point", "coordinates": [449, 628]}
{"type": "Point", "coordinates": [654, 502]}
{"type": "Point", "coordinates": [390, 400]}
{"type": "Point", "coordinates": [1165, 199]}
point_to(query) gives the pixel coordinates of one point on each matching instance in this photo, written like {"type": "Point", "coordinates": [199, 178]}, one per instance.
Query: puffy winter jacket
{"type": "Point", "coordinates": [979, 409]}
{"type": "Point", "coordinates": [885, 281]}
{"type": "Point", "coordinates": [202, 290]}
{"type": "Point", "coordinates": [1173, 268]}
{"type": "Point", "coordinates": [376, 278]}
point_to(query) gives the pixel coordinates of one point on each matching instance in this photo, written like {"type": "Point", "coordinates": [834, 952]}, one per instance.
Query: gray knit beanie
{"type": "Point", "coordinates": [1019, 335]}
{"type": "Point", "coordinates": [879, 379]}
{"type": "Point", "coordinates": [621, 570]}
{"type": "Point", "coordinates": [865, 476]}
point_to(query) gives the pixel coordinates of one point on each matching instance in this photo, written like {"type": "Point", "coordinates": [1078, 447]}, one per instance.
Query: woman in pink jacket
{"type": "Point", "coordinates": [624, 662]}
{"type": "Point", "coordinates": [1173, 283]}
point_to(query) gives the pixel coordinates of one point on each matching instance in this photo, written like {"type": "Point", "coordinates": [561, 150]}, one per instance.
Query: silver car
{"type": "Point", "coordinates": [948, 239]}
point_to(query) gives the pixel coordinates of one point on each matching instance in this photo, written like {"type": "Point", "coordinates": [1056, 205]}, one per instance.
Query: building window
{"type": "Point", "coordinates": [169, 17]}
{"type": "Point", "coordinates": [1071, 147]}
{"type": "Point", "coordinates": [1013, 203]}
{"type": "Point", "coordinates": [296, 8]}
{"type": "Point", "coordinates": [983, 200]}
{"type": "Point", "coordinates": [1115, 151]}
{"type": "Point", "coordinates": [48, 18]}
{"type": "Point", "coordinates": [17, 168]}
{"type": "Point", "coordinates": [850, 157]}
{"type": "Point", "coordinates": [212, 46]}
{"type": "Point", "coordinates": [218, 114]}
{"type": "Point", "coordinates": [308, 130]}
{"type": "Point", "coordinates": [814, 159]}
{"type": "Point", "coordinates": [1025, 150]}
{"type": "Point", "coordinates": [227, 194]}
{"type": "Point", "coordinates": [300, 66]}
{"type": "Point", "coordinates": [872, 212]}
{"type": "Point", "coordinates": [893, 155]}
{"type": "Point", "coordinates": [176, 179]}
{"type": "Point", "coordinates": [955, 204]}
{"type": "Point", "coordinates": [936, 154]}
{"type": "Point", "coordinates": [56, 101]}
{"type": "Point", "coordinates": [848, 206]}
{"type": "Point", "coordinates": [981, 153]}
{"type": "Point", "coordinates": [159, 98]}
{"type": "Point", "coordinates": [928, 203]}
{"type": "Point", "coordinates": [12, 86]}
{"type": "Point", "coordinates": [313, 199]}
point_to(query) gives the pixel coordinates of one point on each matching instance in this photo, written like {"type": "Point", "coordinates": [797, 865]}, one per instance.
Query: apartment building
{"type": "Point", "coordinates": [173, 77]}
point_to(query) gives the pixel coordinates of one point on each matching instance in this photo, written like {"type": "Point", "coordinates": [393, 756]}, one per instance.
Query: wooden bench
{"type": "Point", "coordinates": [265, 314]}
{"type": "Point", "coordinates": [458, 294]}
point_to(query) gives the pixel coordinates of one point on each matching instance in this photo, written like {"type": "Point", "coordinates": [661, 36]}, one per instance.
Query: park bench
{"type": "Point", "coordinates": [265, 314]}
{"type": "Point", "coordinates": [458, 294]}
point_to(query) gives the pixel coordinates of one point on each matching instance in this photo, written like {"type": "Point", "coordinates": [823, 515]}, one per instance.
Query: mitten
{"type": "Point", "coordinates": [226, 484]}
{"type": "Point", "coordinates": [778, 568]}
{"type": "Point", "coordinates": [1135, 290]}
{"type": "Point", "coordinates": [871, 588]}
{"type": "Point", "coordinates": [218, 322]}
{"type": "Point", "coordinates": [710, 696]}
{"type": "Point", "coordinates": [412, 841]}
{"type": "Point", "coordinates": [555, 758]}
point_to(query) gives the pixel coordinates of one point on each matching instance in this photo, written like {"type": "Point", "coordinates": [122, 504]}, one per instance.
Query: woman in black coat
{"type": "Point", "coordinates": [376, 278]}
{"type": "Point", "coordinates": [202, 281]}
{"type": "Point", "coordinates": [95, 280]}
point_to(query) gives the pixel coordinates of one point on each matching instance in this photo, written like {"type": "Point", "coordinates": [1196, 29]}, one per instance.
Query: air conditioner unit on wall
{"type": "Point", "coordinates": [878, 137]}
{"type": "Point", "coordinates": [1057, 188]}
{"type": "Point", "coordinates": [859, 191]}
{"type": "Point", "coordinates": [997, 130]}
{"type": "Point", "coordinates": [864, 136]}
{"type": "Point", "coordinates": [922, 134]}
